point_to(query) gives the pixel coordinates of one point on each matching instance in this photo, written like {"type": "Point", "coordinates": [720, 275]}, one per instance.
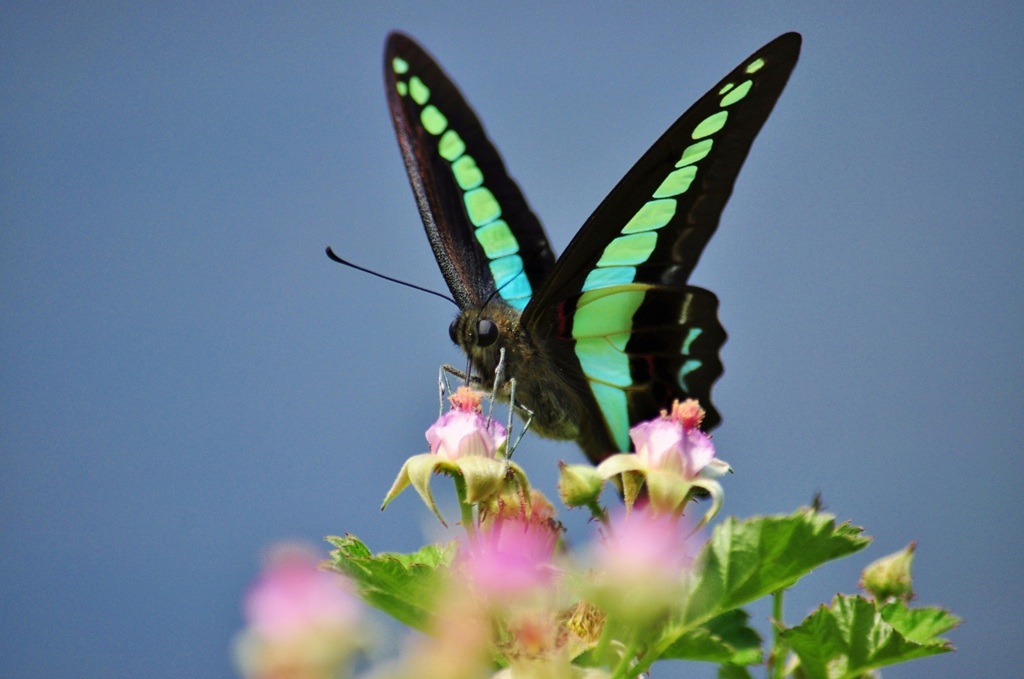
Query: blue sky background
{"type": "Point", "coordinates": [186, 378]}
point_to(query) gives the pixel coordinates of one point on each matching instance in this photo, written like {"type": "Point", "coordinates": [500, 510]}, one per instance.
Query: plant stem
{"type": "Point", "coordinates": [777, 659]}
{"type": "Point", "coordinates": [598, 512]}
{"type": "Point", "coordinates": [622, 669]}
{"type": "Point", "coordinates": [465, 508]}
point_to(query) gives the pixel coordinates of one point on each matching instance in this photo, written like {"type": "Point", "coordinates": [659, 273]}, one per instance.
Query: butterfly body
{"type": "Point", "coordinates": [544, 386]}
{"type": "Point", "coordinates": [611, 332]}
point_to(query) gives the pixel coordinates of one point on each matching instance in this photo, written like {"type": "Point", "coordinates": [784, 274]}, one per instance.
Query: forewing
{"type": "Point", "coordinates": [483, 233]}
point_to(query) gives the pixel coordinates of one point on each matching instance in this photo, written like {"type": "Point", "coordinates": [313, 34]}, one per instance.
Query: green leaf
{"type": "Point", "coordinates": [849, 638]}
{"type": "Point", "coordinates": [402, 585]}
{"type": "Point", "coordinates": [923, 625]}
{"type": "Point", "coordinates": [726, 639]}
{"type": "Point", "coordinates": [746, 560]}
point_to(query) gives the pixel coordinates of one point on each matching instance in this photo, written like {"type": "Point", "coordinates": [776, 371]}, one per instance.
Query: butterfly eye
{"type": "Point", "coordinates": [453, 331]}
{"type": "Point", "coordinates": [486, 333]}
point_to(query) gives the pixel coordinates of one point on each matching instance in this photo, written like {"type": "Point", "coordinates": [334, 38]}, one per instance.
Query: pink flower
{"type": "Point", "coordinates": [463, 444]}
{"type": "Point", "coordinates": [463, 431]}
{"type": "Point", "coordinates": [673, 442]}
{"type": "Point", "coordinates": [674, 460]}
{"type": "Point", "coordinates": [510, 573]}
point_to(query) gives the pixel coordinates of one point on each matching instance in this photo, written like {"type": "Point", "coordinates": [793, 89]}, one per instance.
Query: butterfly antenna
{"type": "Point", "coordinates": [335, 258]}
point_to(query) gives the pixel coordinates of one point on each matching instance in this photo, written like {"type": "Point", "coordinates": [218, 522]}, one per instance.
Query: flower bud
{"type": "Point", "coordinates": [578, 485]}
{"type": "Point", "coordinates": [889, 577]}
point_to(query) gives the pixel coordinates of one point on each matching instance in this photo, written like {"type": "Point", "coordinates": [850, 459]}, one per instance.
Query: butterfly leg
{"type": "Point", "coordinates": [500, 383]}
{"type": "Point", "coordinates": [525, 413]}
{"type": "Point", "coordinates": [499, 379]}
{"type": "Point", "coordinates": [444, 386]}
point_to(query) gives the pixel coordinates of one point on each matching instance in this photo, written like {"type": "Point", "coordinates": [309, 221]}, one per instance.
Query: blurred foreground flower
{"type": "Point", "coordinates": [301, 622]}
{"type": "Point", "coordinates": [512, 553]}
{"type": "Point", "coordinates": [508, 568]}
{"type": "Point", "coordinates": [641, 565]}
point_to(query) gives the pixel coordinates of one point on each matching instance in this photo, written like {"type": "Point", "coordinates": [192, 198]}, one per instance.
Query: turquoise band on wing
{"type": "Point", "coordinates": [482, 208]}
{"type": "Point", "coordinates": [601, 327]}
{"type": "Point", "coordinates": [603, 322]}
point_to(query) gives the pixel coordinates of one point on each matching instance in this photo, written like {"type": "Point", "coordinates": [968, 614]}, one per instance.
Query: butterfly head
{"type": "Point", "coordinates": [483, 333]}
{"type": "Point", "coordinates": [482, 336]}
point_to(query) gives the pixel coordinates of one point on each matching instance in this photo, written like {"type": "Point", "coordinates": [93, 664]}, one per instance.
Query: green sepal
{"type": "Point", "coordinates": [631, 472]}
{"type": "Point", "coordinates": [711, 489]}
{"type": "Point", "coordinates": [417, 471]}
{"type": "Point", "coordinates": [632, 484]}
{"type": "Point", "coordinates": [613, 465]}
{"type": "Point", "coordinates": [404, 586]}
{"type": "Point", "coordinates": [851, 637]}
{"type": "Point", "coordinates": [666, 489]}
{"type": "Point", "coordinates": [484, 477]}
{"type": "Point", "coordinates": [746, 560]}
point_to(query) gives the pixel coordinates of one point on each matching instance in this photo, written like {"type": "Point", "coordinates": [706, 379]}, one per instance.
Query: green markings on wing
{"type": "Point", "coordinates": [481, 206]}
{"type": "Point", "coordinates": [601, 327]}
{"type": "Point", "coordinates": [604, 314]}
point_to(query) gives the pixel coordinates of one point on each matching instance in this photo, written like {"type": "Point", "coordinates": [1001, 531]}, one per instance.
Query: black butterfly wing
{"type": "Point", "coordinates": [617, 307]}
{"type": "Point", "coordinates": [482, 231]}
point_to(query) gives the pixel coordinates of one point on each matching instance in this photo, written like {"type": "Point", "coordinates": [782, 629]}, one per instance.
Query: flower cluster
{"type": "Point", "coordinates": [509, 575]}
{"type": "Point", "coordinates": [508, 601]}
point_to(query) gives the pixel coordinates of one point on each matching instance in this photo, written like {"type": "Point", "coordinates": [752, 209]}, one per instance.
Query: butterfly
{"type": "Point", "coordinates": [611, 332]}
